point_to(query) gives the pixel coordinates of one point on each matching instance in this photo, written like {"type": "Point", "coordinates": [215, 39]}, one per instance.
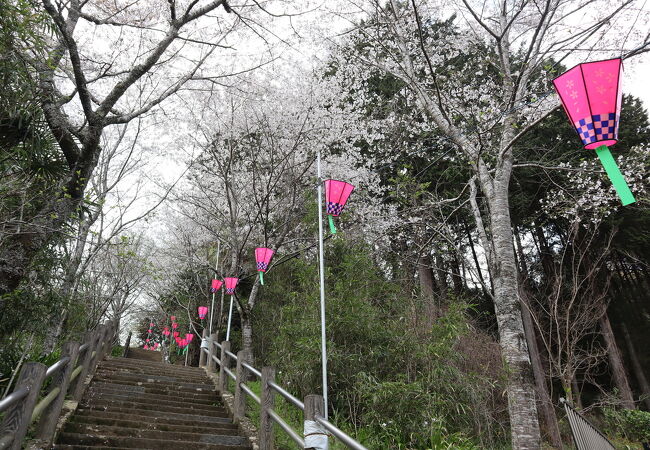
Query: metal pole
{"type": "Point", "coordinates": [229, 318]}
{"type": "Point", "coordinates": [216, 267]}
{"type": "Point", "coordinates": [322, 279]}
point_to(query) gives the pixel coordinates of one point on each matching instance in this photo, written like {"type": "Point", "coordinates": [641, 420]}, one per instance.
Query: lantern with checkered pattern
{"type": "Point", "coordinates": [263, 257]}
{"type": "Point", "coordinates": [203, 310]}
{"type": "Point", "coordinates": [336, 195]}
{"type": "Point", "coordinates": [231, 285]}
{"type": "Point", "coordinates": [591, 95]}
{"type": "Point", "coordinates": [216, 285]}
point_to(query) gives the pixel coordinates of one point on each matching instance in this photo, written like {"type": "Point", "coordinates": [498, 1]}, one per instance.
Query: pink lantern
{"type": "Point", "coordinates": [336, 196]}
{"type": "Point", "coordinates": [189, 337]}
{"type": "Point", "coordinates": [231, 285]}
{"type": "Point", "coordinates": [166, 331]}
{"type": "Point", "coordinates": [174, 325]}
{"type": "Point", "coordinates": [263, 257]}
{"type": "Point", "coordinates": [155, 346]}
{"type": "Point", "coordinates": [173, 318]}
{"type": "Point", "coordinates": [146, 347]}
{"type": "Point", "coordinates": [216, 285]}
{"type": "Point", "coordinates": [203, 310]}
{"type": "Point", "coordinates": [592, 96]}
{"type": "Point", "coordinates": [146, 340]}
{"type": "Point", "coordinates": [150, 324]}
{"type": "Point", "coordinates": [183, 342]}
{"type": "Point", "coordinates": [176, 333]}
{"type": "Point", "coordinates": [149, 331]}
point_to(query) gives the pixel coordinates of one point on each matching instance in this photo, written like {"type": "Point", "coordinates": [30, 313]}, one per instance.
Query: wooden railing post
{"type": "Point", "coordinates": [315, 435]}
{"type": "Point", "coordinates": [202, 355]}
{"type": "Point", "coordinates": [97, 348]}
{"type": "Point", "coordinates": [108, 340]}
{"type": "Point", "coordinates": [77, 386]}
{"type": "Point", "coordinates": [225, 364]}
{"type": "Point", "coordinates": [18, 417]}
{"type": "Point", "coordinates": [127, 344]}
{"type": "Point", "coordinates": [50, 416]}
{"type": "Point", "coordinates": [241, 375]}
{"type": "Point", "coordinates": [267, 401]}
{"type": "Point", "coordinates": [212, 364]}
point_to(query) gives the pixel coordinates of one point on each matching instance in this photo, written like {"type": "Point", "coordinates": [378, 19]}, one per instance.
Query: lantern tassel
{"type": "Point", "coordinates": [615, 175]}
{"type": "Point", "coordinates": [262, 278]}
{"type": "Point", "coordinates": [332, 226]}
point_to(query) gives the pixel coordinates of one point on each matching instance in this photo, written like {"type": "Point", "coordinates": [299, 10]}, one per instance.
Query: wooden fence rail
{"type": "Point", "coordinates": [316, 427]}
{"type": "Point", "coordinates": [22, 407]}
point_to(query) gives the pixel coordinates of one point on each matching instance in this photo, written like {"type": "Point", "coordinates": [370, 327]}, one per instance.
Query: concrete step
{"type": "Point", "coordinates": [207, 442]}
{"type": "Point", "coordinates": [140, 393]}
{"type": "Point", "coordinates": [145, 365]}
{"type": "Point", "coordinates": [120, 404]}
{"type": "Point", "coordinates": [148, 433]}
{"type": "Point", "coordinates": [157, 416]}
{"type": "Point", "coordinates": [156, 390]}
{"type": "Point", "coordinates": [153, 380]}
{"type": "Point", "coordinates": [156, 400]}
{"type": "Point", "coordinates": [157, 424]}
{"type": "Point", "coordinates": [157, 369]}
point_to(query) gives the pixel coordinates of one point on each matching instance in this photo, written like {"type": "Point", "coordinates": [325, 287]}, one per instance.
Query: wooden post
{"type": "Point", "coordinates": [212, 364]}
{"type": "Point", "coordinates": [97, 348]}
{"type": "Point", "coordinates": [267, 401]}
{"type": "Point", "coordinates": [18, 417]}
{"type": "Point", "coordinates": [108, 342]}
{"type": "Point", "coordinates": [77, 386]}
{"type": "Point", "coordinates": [127, 343]}
{"type": "Point", "coordinates": [202, 355]}
{"type": "Point", "coordinates": [315, 437]}
{"type": "Point", "coordinates": [50, 416]}
{"type": "Point", "coordinates": [241, 375]}
{"type": "Point", "coordinates": [225, 363]}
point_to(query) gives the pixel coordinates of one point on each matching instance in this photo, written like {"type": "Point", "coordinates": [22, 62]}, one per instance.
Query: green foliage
{"type": "Point", "coordinates": [390, 385]}
{"type": "Point", "coordinates": [630, 423]}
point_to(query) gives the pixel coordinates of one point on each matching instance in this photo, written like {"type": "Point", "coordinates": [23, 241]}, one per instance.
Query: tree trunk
{"type": "Point", "coordinates": [545, 406]}
{"type": "Point", "coordinates": [616, 363]}
{"type": "Point", "coordinates": [427, 288]}
{"type": "Point", "coordinates": [636, 366]}
{"type": "Point", "coordinates": [524, 425]}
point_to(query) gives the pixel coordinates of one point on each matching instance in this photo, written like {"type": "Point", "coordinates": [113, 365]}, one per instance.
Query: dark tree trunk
{"type": "Point", "coordinates": [616, 363]}
{"type": "Point", "coordinates": [636, 367]}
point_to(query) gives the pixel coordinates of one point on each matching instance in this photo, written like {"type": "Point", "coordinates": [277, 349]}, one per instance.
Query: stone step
{"type": "Point", "coordinates": [158, 400]}
{"type": "Point", "coordinates": [157, 424]}
{"type": "Point", "coordinates": [207, 442]}
{"type": "Point", "coordinates": [140, 393]}
{"type": "Point", "coordinates": [149, 382]}
{"type": "Point", "coordinates": [128, 388]}
{"type": "Point", "coordinates": [149, 413]}
{"type": "Point", "coordinates": [153, 378]}
{"type": "Point", "coordinates": [121, 362]}
{"type": "Point", "coordinates": [189, 409]}
{"type": "Point", "coordinates": [138, 415]}
{"type": "Point", "coordinates": [162, 370]}
{"type": "Point", "coordinates": [85, 447]}
{"type": "Point", "coordinates": [149, 433]}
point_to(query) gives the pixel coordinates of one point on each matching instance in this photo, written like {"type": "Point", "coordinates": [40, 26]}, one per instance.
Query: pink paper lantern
{"type": "Point", "coordinates": [203, 310]}
{"type": "Point", "coordinates": [149, 331]}
{"type": "Point", "coordinates": [263, 257]}
{"type": "Point", "coordinates": [216, 285]}
{"type": "Point", "coordinates": [146, 340]}
{"type": "Point", "coordinates": [591, 95]}
{"type": "Point", "coordinates": [146, 347]}
{"type": "Point", "coordinates": [336, 195]}
{"type": "Point", "coordinates": [155, 346]}
{"type": "Point", "coordinates": [151, 325]}
{"type": "Point", "coordinates": [176, 333]}
{"type": "Point", "coordinates": [189, 337]}
{"type": "Point", "coordinates": [173, 318]}
{"type": "Point", "coordinates": [166, 331]}
{"type": "Point", "coordinates": [231, 285]}
{"type": "Point", "coordinates": [174, 325]}
{"type": "Point", "coordinates": [183, 342]}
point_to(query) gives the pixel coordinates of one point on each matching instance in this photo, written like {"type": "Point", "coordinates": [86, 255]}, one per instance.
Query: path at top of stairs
{"type": "Point", "coordinates": [139, 402]}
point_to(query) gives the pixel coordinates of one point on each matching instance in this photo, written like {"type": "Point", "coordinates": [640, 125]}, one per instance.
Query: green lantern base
{"type": "Point", "coordinates": [615, 175]}
{"type": "Point", "coordinates": [331, 222]}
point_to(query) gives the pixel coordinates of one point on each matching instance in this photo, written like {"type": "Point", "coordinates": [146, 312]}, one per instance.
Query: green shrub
{"type": "Point", "coordinates": [629, 423]}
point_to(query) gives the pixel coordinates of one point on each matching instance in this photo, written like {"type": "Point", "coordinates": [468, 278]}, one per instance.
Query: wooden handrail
{"type": "Point", "coordinates": [22, 407]}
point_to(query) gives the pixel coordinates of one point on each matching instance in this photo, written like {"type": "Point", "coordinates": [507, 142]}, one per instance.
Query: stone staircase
{"type": "Point", "coordinates": [137, 402]}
